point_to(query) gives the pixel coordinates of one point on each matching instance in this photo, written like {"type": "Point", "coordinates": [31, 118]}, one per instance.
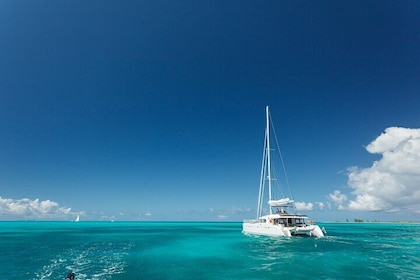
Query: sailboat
{"type": "Point", "coordinates": [281, 219]}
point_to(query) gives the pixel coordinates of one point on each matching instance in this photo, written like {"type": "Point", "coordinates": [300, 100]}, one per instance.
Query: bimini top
{"type": "Point", "coordinates": [280, 202]}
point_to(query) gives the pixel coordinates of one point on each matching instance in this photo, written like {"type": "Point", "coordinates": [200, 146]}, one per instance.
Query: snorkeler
{"type": "Point", "coordinates": [70, 276]}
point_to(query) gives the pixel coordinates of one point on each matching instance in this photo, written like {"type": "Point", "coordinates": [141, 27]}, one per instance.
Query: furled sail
{"type": "Point", "coordinates": [281, 202]}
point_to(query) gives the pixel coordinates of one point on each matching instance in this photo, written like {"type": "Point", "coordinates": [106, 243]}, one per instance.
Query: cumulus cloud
{"type": "Point", "coordinates": [337, 198]}
{"type": "Point", "coordinates": [302, 206]}
{"type": "Point", "coordinates": [320, 205]}
{"type": "Point", "coordinates": [393, 182]}
{"type": "Point", "coordinates": [32, 209]}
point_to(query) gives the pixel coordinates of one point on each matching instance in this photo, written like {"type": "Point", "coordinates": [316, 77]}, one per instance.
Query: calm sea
{"type": "Point", "coordinates": [140, 250]}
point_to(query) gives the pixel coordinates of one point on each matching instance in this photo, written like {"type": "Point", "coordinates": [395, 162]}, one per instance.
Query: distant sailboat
{"type": "Point", "coordinates": [77, 218]}
{"type": "Point", "coordinates": [277, 222]}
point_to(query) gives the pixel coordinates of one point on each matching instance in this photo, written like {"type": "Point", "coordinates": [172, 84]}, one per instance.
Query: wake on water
{"type": "Point", "coordinates": [100, 261]}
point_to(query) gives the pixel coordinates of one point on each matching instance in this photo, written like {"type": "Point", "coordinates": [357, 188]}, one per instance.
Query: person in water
{"type": "Point", "coordinates": [70, 276]}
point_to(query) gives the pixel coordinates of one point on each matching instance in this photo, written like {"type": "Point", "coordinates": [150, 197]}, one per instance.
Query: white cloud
{"type": "Point", "coordinates": [148, 214]}
{"type": "Point", "coordinates": [320, 205]}
{"type": "Point", "coordinates": [338, 198]}
{"type": "Point", "coordinates": [32, 209]}
{"type": "Point", "coordinates": [302, 206]}
{"type": "Point", "coordinates": [341, 207]}
{"type": "Point", "coordinates": [393, 182]}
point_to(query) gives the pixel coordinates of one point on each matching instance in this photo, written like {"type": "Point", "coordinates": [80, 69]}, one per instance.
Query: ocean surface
{"type": "Point", "coordinates": [155, 250]}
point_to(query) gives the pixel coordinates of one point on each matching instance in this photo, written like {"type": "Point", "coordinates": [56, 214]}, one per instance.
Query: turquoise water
{"type": "Point", "coordinates": [130, 250]}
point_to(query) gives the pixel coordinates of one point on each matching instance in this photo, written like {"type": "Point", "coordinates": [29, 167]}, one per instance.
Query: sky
{"type": "Point", "coordinates": [154, 110]}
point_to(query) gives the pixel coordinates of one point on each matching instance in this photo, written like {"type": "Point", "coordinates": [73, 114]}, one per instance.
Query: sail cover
{"type": "Point", "coordinates": [280, 202]}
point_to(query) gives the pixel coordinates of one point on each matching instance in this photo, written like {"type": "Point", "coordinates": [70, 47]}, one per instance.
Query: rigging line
{"type": "Point", "coordinates": [278, 183]}
{"type": "Point", "coordinates": [262, 178]}
{"type": "Point", "coordinates": [262, 191]}
{"type": "Point", "coordinates": [281, 158]}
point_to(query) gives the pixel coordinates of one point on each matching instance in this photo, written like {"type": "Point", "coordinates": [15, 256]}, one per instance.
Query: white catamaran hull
{"type": "Point", "coordinates": [280, 230]}
{"type": "Point", "coordinates": [312, 230]}
{"type": "Point", "coordinates": [266, 229]}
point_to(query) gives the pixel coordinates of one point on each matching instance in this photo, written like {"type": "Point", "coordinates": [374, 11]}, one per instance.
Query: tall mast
{"type": "Point", "coordinates": [268, 154]}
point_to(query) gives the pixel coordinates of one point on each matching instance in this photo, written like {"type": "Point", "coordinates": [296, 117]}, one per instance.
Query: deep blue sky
{"type": "Point", "coordinates": [122, 108]}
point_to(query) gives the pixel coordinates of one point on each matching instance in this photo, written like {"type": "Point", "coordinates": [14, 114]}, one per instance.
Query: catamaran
{"type": "Point", "coordinates": [282, 219]}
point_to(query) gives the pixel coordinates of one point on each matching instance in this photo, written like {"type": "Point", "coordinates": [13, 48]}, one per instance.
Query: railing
{"type": "Point", "coordinates": [251, 221]}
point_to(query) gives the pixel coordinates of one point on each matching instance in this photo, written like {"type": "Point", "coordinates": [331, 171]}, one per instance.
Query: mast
{"type": "Point", "coordinates": [268, 155]}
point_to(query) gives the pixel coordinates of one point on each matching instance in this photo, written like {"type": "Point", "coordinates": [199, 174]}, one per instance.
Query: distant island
{"type": "Point", "coordinates": [356, 220]}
